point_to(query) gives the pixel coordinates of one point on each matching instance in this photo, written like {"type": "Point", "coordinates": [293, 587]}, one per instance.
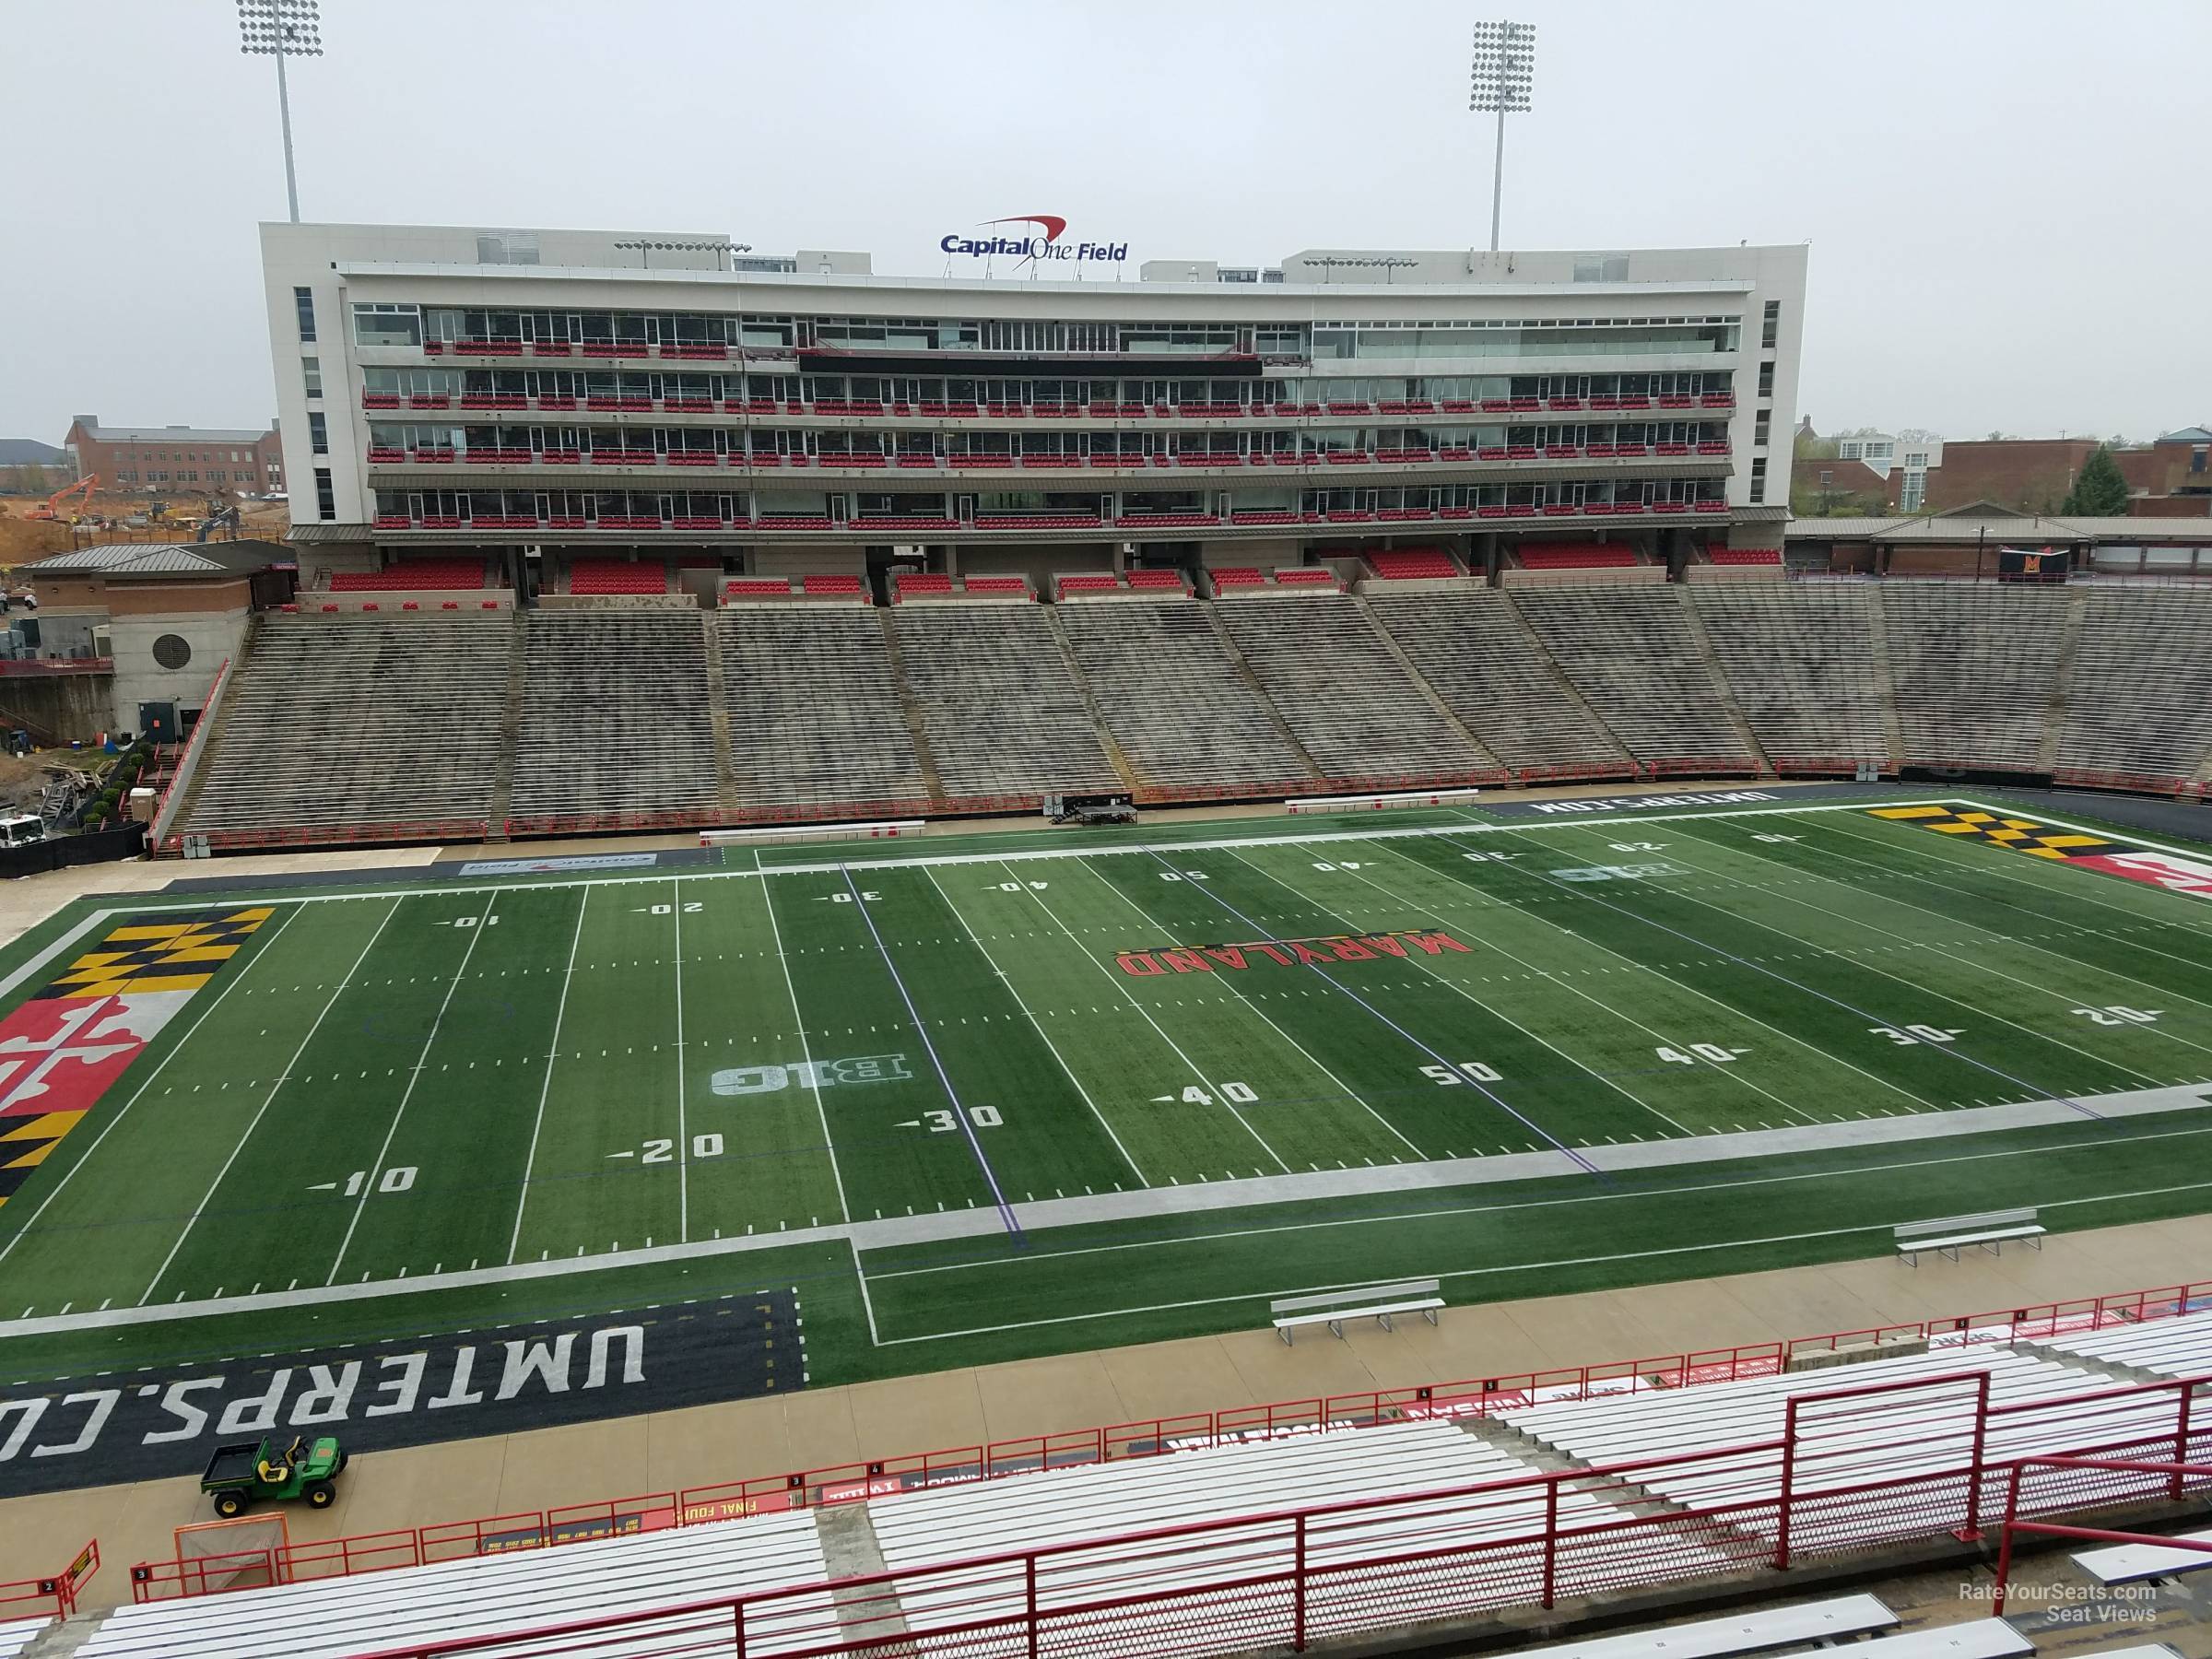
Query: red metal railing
{"type": "Point", "coordinates": [1150, 1437]}
{"type": "Point", "coordinates": [1295, 1576]}
{"type": "Point", "coordinates": [2179, 1475]}
{"type": "Point", "coordinates": [58, 1593]}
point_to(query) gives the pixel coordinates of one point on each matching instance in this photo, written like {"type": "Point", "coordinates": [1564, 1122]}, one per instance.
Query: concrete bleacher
{"type": "Point", "coordinates": [1341, 692]}
{"type": "Point", "coordinates": [334, 722]}
{"type": "Point", "coordinates": [1800, 660]}
{"type": "Point", "coordinates": [813, 708]}
{"type": "Point", "coordinates": [1975, 665]}
{"type": "Point", "coordinates": [1476, 657]}
{"type": "Point", "coordinates": [2140, 688]}
{"type": "Point", "coordinates": [493, 1595]}
{"type": "Point", "coordinates": [1003, 712]}
{"type": "Point", "coordinates": [614, 716]}
{"type": "Point", "coordinates": [1173, 699]}
{"type": "Point", "coordinates": [1630, 650]}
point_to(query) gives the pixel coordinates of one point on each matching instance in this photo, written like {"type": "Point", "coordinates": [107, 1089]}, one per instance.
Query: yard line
{"type": "Point", "coordinates": [1038, 1029]}
{"type": "Point", "coordinates": [683, 1137]}
{"type": "Point", "coordinates": [337, 991]}
{"type": "Point", "coordinates": [1582, 892]}
{"type": "Point", "coordinates": [376, 1166]}
{"type": "Point", "coordinates": [560, 1012]}
{"type": "Point", "coordinates": [1613, 1084]}
{"type": "Point", "coordinates": [1938, 950]}
{"type": "Point", "coordinates": [798, 1020]}
{"type": "Point", "coordinates": [1479, 1086]}
{"type": "Point", "coordinates": [959, 1109]}
{"type": "Point", "coordinates": [2081, 927]}
{"type": "Point", "coordinates": [1128, 996]}
{"type": "Point", "coordinates": [116, 1116]}
{"type": "Point", "coordinates": [1728, 1008]}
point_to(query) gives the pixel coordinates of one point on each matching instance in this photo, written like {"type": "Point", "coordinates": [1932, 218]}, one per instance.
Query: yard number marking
{"type": "Point", "coordinates": [1464, 1071]}
{"type": "Point", "coordinates": [944, 1122]}
{"type": "Point", "coordinates": [397, 1179]}
{"type": "Point", "coordinates": [1906, 1036]}
{"type": "Point", "coordinates": [1237, 1093]}
{"type": "Point", "coordinates": [2117, 1014]}
{"type": "Point", "coordinates": [1712, 1051]}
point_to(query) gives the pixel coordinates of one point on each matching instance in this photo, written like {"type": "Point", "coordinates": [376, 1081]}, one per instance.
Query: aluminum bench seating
{"type": "Point", "coordinates": [486, 1596]}
{"type": "Point", "coordinates": [2165, 1347]}
{"type": "Point", "coordinates": [2142, 683]}
{"type": "Point", "coordinates": [614, 714]}
{"type": "Point", "coordinates": [1101, 1500]}
{"type": "Point", "coordinates": [1341, 692]}
{"type": "Point", "coordinates": [1970, 1638]}
{"type": "Point", "coordinates": [1630, 652]}
{"type": "Point", "coordinates": [1841, 1618]}
{"type": "Point", "coordinates": [1378, 1302]}
{"type": "Point", "coordinates": [345, 720]}
{"type": "Point", "coordinates": [16, 1634]}
{"type": "Point", "coordinates": [814, 711]}
{"type": "Point", "coordinates": [1172, 699]}
{"type": "Point", "coordinates": [1800, 659]}
{"type": "Point", "coordinates": [1479, 659]}
{"type": "Point", "coordinates": [1005, 716]}
{"type": "Point", "coordinates": [1843, 1442]}
{"type": "Point", "coordinates": [1975, 665]}
{"type": "Point", "coordinates": [2133, 1563]}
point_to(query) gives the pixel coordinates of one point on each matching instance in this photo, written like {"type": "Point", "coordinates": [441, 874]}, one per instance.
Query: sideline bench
{"type": "Point", "coordinates": [1842, 1619]}
{"type": "Point", "coordinates": [1368, 1301]}
{"type": "Point", "coordinates": [1950, 1234]}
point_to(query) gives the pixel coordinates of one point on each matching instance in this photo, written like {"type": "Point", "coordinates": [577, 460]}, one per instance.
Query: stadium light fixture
{"type": "Point", "coordinates": [1504, 82]}
{"type": "Point", "coordinates": [282, 29]}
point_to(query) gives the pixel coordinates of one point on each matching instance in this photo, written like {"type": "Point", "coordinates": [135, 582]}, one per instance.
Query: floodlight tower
{"type": "Point", "coordinates": [282, 29]}
{"type": "Point", "coordinates": [1503, 78]}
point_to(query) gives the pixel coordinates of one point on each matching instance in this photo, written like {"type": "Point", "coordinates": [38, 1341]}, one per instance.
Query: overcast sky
{"type": "Point", "coordinates": [2003, 200]}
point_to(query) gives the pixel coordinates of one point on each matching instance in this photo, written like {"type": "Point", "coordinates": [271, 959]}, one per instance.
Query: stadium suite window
{"type": "Point", "coordinates": [326, 499]}
{"type": "Point", "coordinates": [387, 326]}
{"type": "Point", "coordinates": [303, 303]}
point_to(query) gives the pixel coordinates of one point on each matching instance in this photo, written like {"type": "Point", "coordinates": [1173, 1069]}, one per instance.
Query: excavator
{"type": "Point", "coordinates": [50, 510]}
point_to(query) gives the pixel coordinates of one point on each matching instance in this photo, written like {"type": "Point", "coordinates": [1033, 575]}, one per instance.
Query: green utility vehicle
{"type": "Point", "coordinates": [250, 1472]}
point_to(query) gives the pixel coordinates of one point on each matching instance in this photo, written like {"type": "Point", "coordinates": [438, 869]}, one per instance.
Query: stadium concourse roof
{"type": "Point", "coordinates": [2012, 529]}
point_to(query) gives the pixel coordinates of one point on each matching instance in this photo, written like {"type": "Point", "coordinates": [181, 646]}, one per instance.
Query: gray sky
{"type": "Point", "coordinates": [2003, 199]}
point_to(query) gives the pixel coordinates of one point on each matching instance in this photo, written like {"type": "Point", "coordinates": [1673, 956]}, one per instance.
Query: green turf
{"type": "Point", "coordinates": [394, 1086]}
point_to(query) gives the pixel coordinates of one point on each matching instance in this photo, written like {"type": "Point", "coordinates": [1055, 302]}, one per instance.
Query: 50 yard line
{"type": "Point", "coordinates": [544, 1088]}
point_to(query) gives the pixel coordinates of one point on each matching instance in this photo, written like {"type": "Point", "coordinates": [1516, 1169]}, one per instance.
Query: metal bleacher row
{"type": "Point", "coordinates": [1403, 1522]}
{"type": "Point", "coordinates": [813, 700]}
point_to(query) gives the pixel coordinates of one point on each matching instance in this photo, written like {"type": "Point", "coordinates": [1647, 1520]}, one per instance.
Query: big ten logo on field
{"type": "Point", "coordinates": [810, 1074]}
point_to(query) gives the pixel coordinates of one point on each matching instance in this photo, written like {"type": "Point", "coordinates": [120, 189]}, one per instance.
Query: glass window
{"type": "Point", "coordinates": [387, 326]}
{"type": "Point", "coordinates": [327, 500]}
{"type": "Point", "coordinates": [311, 369]}
{"type": "Point", "coordinates": [318, 433]}
{"type": "Point", "coordinates": [303, 303]}
{"type": "Point", "coordinates": [1766, 379]}
{"type": "Point", "coordinates": [1771, 325]}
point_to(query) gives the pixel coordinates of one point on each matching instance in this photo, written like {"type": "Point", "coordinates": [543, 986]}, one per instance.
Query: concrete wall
{"type": "Point", "coordinates": [209, 637]}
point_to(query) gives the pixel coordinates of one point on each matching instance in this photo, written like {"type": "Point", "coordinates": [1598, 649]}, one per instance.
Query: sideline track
{"type": "Point", "coordinates": [1259, 1191]}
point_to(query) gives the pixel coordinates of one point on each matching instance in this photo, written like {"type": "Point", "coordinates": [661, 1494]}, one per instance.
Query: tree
{"type": "Point", "coordinates": [1813, 447]}
{"type": "Point", "coordinates": [2099, 491]}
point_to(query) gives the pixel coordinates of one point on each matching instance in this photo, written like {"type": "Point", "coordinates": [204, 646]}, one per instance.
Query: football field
{"type": "Point", "coordinates": [1048, 1092]}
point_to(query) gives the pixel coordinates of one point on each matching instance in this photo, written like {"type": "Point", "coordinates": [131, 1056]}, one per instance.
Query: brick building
{"type": "Point", "coordinates": [2170, 477]}
{"type": "Point", "coordinates": [178, 460]}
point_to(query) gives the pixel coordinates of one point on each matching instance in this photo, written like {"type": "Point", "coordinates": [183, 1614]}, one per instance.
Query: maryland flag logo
{"type": "Point", "coordinates": [60, 1051]}
{"type": "Point", "coordinates": [2024, 835]}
